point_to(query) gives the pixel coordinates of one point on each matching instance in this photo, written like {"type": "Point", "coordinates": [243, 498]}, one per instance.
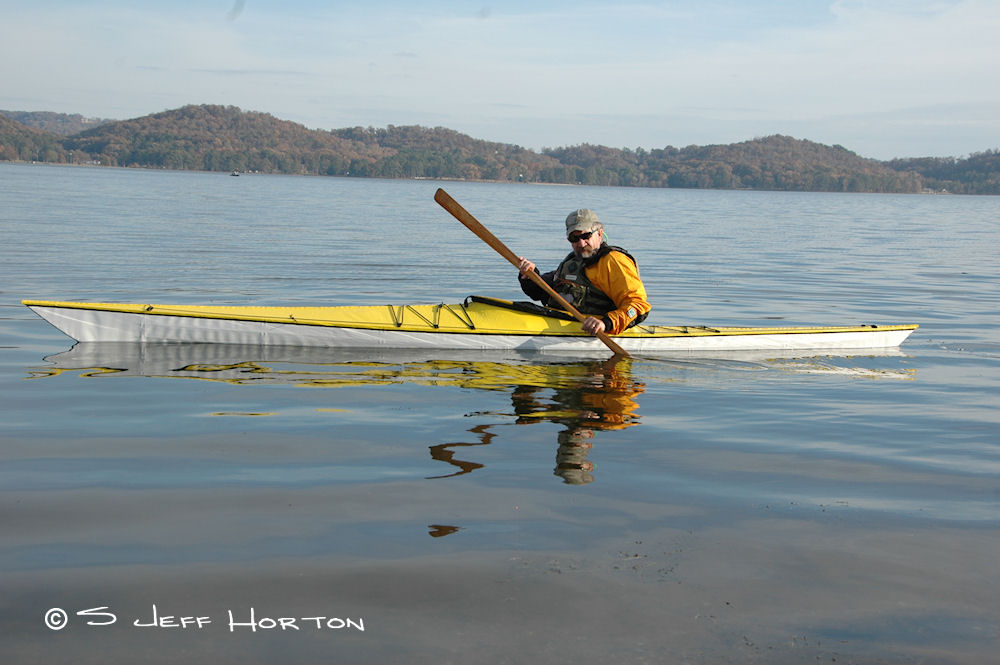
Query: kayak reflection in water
{"type": "Point", "coordinates": [584, 396]}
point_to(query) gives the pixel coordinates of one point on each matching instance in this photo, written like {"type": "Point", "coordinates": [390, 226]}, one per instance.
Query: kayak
{"type": "Point", "coordinates": [478, 323]}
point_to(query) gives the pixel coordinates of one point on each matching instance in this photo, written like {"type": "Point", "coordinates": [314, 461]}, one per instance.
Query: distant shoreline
{"type": "Point", "coordinates": [214, 138]}
{"type": "Point", "coordinates": [924, 192]}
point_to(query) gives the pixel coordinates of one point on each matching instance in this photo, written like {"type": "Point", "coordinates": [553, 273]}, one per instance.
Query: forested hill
{"type": "Point", "coordinates": [57, 123]}
{"type": "Point", "coordinates": [19, 141]}
{"type": "Point", "coordinates": [225, 138]}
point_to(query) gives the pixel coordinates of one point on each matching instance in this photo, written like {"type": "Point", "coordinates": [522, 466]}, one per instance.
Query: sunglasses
{"type": "Point", "coordinates": [580, 236]}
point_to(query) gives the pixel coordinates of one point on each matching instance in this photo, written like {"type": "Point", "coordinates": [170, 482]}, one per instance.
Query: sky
{"type": "Point", "coordinates": [883, 78]}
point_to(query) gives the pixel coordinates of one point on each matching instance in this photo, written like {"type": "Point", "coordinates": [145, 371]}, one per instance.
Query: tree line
{"type": "Point", "coordinates": [226, 138]}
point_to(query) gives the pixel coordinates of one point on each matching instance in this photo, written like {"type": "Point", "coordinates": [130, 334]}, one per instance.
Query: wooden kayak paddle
{"type": "Point", "coordinates": [464, 216]}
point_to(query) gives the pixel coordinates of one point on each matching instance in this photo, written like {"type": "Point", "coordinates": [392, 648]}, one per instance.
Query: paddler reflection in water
{"type": "Point", "coordinates": [584, 397]}
{"type": "Point", "coordinates": [604, 400]}
{"type": "Point", "coordinates": [600, 280]}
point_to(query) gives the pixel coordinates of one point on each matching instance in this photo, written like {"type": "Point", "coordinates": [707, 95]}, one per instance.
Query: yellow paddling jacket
{"type": "Point", "coordinates": [606, 285]}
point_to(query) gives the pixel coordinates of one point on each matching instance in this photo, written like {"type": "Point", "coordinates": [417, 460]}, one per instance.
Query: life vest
{"type": "Point", "coordinates": [572, 284]}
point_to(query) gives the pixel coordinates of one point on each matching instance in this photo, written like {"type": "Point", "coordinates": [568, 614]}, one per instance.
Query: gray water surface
{"type": "Point", "coordinates": [489, 508]}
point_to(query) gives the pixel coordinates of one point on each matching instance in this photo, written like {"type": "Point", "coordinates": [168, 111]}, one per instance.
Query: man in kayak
{"type": "Point", "coordinates": [599, 279]}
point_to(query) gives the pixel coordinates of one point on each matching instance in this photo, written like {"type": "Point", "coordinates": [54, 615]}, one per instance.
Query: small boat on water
{"type": "Point", "coordinates": [478, 323]}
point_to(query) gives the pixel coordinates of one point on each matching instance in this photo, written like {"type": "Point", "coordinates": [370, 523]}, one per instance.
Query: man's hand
{"type": "Point", "coordinates": [525, 266]}
{"type": "Point", "coordinates": [593, 325]}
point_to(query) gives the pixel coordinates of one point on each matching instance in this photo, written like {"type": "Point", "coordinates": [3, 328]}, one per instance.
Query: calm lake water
{"type": "Point", "coordinates": [187, 503]}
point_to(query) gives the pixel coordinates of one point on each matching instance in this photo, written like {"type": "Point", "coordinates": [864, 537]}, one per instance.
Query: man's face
{"type": "Point", "coordinates": [586, 245]}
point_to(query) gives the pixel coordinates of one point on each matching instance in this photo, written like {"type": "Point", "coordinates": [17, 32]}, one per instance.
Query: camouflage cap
{"type": "Point", "coordinates": [582, 220]}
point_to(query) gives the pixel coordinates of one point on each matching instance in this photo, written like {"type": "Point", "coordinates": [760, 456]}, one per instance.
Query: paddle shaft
{"type": "Point", "coordinates": [464, 216]}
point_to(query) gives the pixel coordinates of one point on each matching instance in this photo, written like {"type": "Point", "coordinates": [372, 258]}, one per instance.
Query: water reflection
{"type": "Point", "coordinates": [604, 399]}
{"type": "Point", "coordinates": [584, 396]}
